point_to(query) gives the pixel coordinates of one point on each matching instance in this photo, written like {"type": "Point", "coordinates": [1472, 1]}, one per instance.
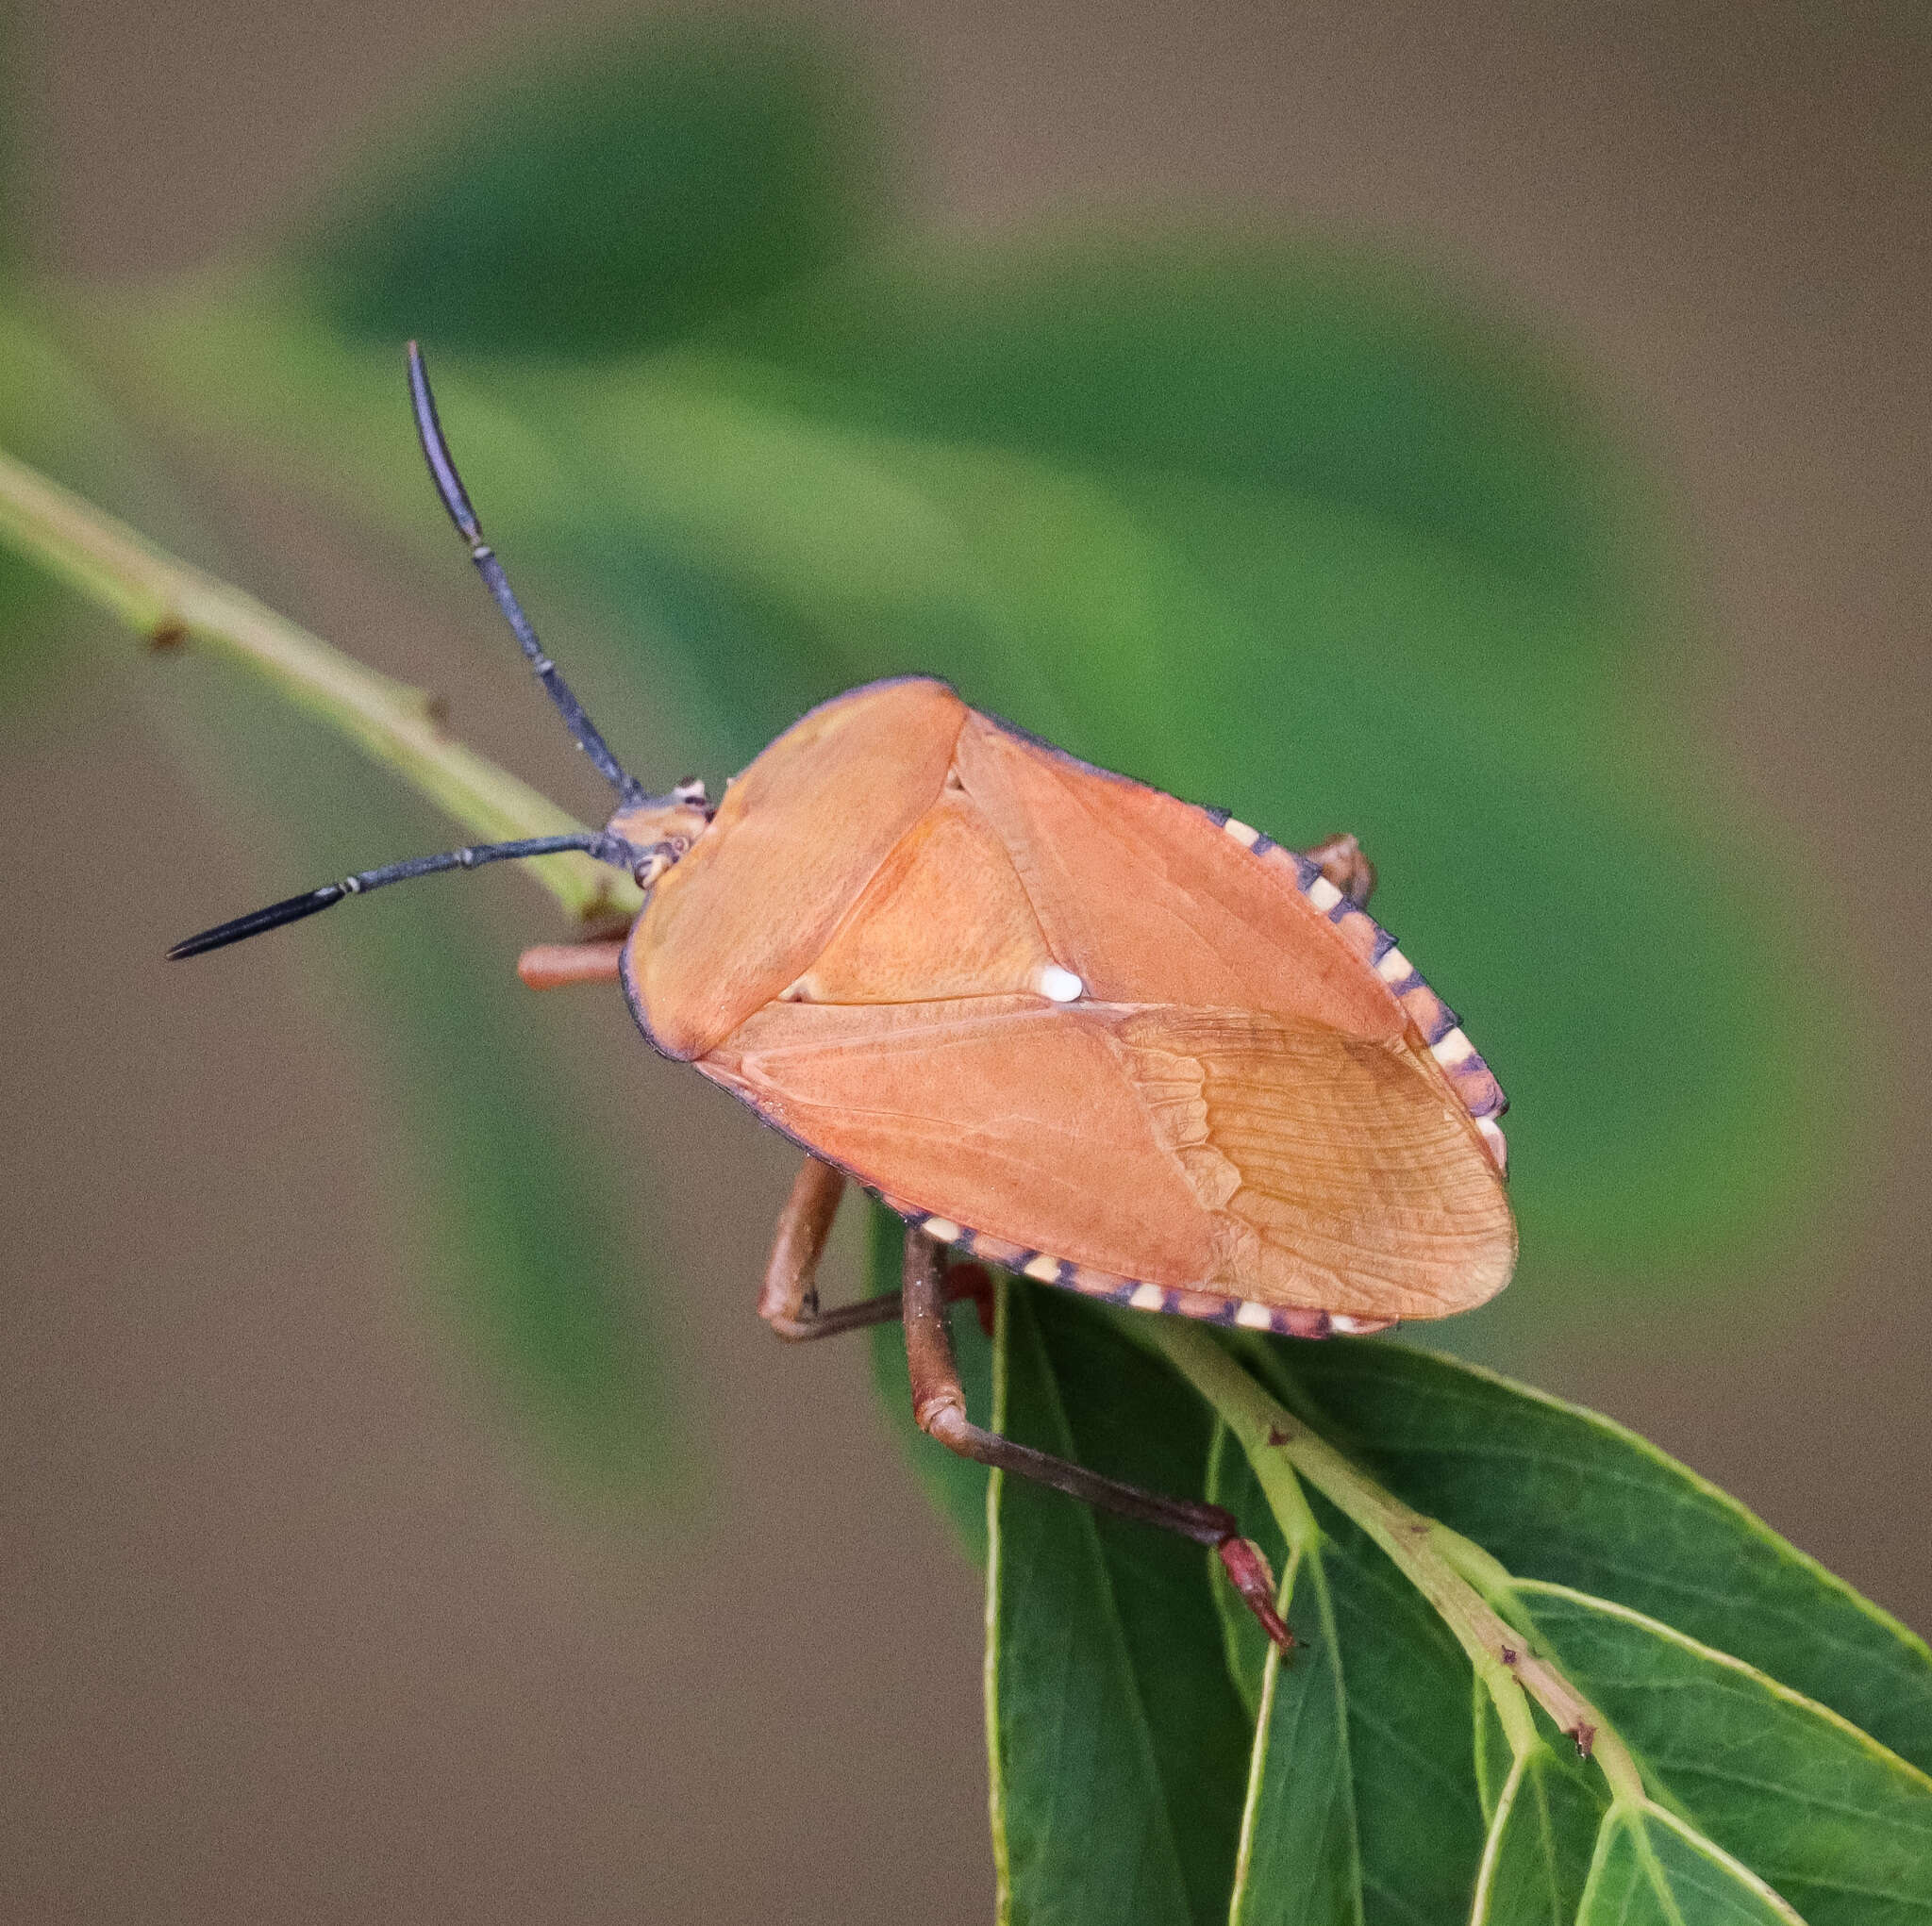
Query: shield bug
{"type": "Point", "coordinates": [1055, 1019]}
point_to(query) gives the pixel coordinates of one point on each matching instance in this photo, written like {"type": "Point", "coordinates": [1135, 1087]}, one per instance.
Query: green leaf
{"type": "Point", "coordinates": [1838, 1825]}
{"type": "Point", "coordinates": [1543, 1825]}
{"type": "Point", "coordinates": [1118, 1744]}
{"type": "Point", "coordinates": [1563, 1495]}
{"type": "Point", "coordinates": [541, 1243]}
{"type": "Point", "coordinates": [1361, 1800]}
{"type": "Point", "coordinates": [601, 202]}
{"type": "Point", "coordinates": [1242, 359]}
{"type": "Point", "coordinates": [1651, 1870]}
{"type": "Point", "coordinates": [1300, 1854]}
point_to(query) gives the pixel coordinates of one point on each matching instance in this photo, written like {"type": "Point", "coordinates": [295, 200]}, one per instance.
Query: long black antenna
{"type": "Point", "coordinates": [449, 485]}
{"type": "Point", "coordinates": [596, 842]}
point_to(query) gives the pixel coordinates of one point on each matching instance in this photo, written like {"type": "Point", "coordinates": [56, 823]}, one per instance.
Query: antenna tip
{"type": "Point", "coordinates": [253, 925]}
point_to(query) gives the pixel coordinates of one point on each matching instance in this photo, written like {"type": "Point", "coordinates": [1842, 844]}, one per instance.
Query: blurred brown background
{"type": "Point", "coordinates": [287, 1632]}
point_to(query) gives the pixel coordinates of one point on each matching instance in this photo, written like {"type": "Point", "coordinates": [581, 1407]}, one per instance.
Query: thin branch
{"type": "Point", "coordinates": [170, 601]}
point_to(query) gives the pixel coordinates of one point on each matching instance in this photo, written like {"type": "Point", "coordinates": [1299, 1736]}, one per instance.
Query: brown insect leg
{"type": "Point", "coordinates": [789, 1301]}
{"type": "Point", "coordinates": [555, 966]}
{"type": "Point", "coordinates": [1341, 859]}
{"type": "Point", "coordinates": [938, 1406]}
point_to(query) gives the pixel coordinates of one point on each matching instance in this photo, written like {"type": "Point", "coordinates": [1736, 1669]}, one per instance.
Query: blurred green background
{"type": "Point", "coordinates": [1507, 443]}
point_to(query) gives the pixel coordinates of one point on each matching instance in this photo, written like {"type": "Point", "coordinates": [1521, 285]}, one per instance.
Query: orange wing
{"type": "Point", "coordinates": [1248, 1158]}
{"type": "Point", "coordinates": [1081, 1027]}
{"type": "Point", "coordinates": [1145, 900]}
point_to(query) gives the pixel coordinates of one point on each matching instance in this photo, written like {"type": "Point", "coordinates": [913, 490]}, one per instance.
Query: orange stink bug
{"type": "Point", "coordinates": [1053, 1018]}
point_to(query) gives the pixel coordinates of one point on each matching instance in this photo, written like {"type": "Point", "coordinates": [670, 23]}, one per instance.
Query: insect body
{"type": "Point", "coordinates": [1074, 1025]}
{"type": "Point", "coordinates": [1061, 1020]}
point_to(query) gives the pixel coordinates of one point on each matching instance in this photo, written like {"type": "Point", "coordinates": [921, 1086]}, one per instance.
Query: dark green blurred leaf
{"type": "Point", "coordinates": [526, 1234]}
{"type": "Point", "coordinates": [1118, 1747]}
{"type": "Point", "coordinates": [1560, 1494]}
{"type": "Point", "coordinates": [1231, 359]}
{"type": "Point", "coordinates": [539, 1242]}
{"type": "Point", "coordinates": [1361, 1802]}
{"type": "Point", "coordinates": [530, 1236]}
{"type": "Point", "coordinates": [607, 199]}
{"type": "Point", "coordinates": [1838, 1825]}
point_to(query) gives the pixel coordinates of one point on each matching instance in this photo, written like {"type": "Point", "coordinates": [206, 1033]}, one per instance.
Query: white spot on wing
{"type": "Point", "coordinates": [1346, 1326]}
{"type": "Point", "coordinates": [1254, 1317]}
{"type": "Point", "coordinates": [1323, 894]}
{"type": "Point", "coordinates": [1062, 986]}
{"type": "Point", "coordinates": [1240, 832]}
{"type": "Point", "coordinates": [1047, 1270]}
{"type": "Point", "coordinates": [1453, 1048]}
{"type": "Point", "coordinates": [1394, 968]}
{"type": "Point", "coordinates": [942, 1230]}
{"type": "Point", "coordinates": [1148, 1297]}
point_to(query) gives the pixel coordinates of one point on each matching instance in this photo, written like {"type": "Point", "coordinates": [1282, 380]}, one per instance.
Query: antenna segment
{"type": "Point", "coordinates": [449, 485]}
{"type": "Point", "coordinates": [596, 842]}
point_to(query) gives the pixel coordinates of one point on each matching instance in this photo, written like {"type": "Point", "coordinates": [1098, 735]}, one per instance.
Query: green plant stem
{"type": "Point", "coordinates": [170, 601]}
{"type": "Point", "coordinates": [1437, 1561]}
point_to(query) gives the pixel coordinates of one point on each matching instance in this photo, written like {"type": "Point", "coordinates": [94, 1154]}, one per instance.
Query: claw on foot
{"type": "Point", "coordinates": [1341, 859]}
{"type": "Point", "coordinates": [1246, 1566]}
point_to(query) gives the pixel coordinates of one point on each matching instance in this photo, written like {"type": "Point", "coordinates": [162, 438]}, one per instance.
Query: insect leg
{"type": "Point", "coordinates": [939, 1407]}
{"type": "Point", "coordinates": [555, 966]}
{"type": "Point", "coordinates": [789, 1301]}
{"type": "Point", "coordinates": [1341, 859]}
